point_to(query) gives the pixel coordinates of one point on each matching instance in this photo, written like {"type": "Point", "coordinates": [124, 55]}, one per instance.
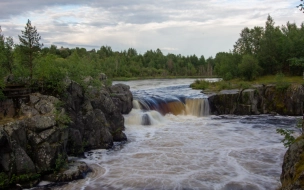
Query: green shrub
{"type": "Point", "coordinates": [281, 83]}
{"type": "Point", "coordinates": [249, 67]}
{"type": "Point", "coordinates": [244, 85]}
{"type": "Point", "coordinates": [60, 163]}
{"type": "Point", "coordinates": [288, 134]}
{"type": "Point", "coordinates": [200, 84]}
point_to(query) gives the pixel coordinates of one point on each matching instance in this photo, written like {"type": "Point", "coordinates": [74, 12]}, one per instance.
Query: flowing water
{"type": "Point", "coordinates": [174, 144]}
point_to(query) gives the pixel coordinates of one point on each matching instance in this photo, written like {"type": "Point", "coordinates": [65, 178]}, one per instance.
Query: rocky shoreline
{"type": "Point", "coordinates": [35, 146]}
{"type": "Point", "coordinates": [262, 99]}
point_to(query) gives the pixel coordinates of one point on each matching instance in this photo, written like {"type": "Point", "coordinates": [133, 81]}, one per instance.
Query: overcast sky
{"type": "Point", "coordinates": [187, 27]}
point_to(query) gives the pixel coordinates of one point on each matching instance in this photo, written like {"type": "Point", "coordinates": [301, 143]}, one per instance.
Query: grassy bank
{"type": "Point", "coordinates": [280, 80]}
{"type": "Point", "coordinates": [159, 77]}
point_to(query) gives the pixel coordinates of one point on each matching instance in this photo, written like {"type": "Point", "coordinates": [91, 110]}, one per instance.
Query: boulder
{"type": "Point", "coordinates": [122, 97]}
{"type": "Point", "coordinates": [74, 170]}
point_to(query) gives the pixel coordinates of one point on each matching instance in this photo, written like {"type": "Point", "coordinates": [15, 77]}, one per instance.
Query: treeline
{"type": "Point", "coordinates": [264, 51]}
{"type": "Point", "coordinates": [259, 51]}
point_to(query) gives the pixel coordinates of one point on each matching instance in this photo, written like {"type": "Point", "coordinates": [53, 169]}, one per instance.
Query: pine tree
{"type": "Point", "coordinates": [30, 45]}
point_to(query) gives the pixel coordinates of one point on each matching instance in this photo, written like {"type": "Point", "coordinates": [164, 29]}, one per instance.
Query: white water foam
{"type": "Point", "coordinates": [191, 153]}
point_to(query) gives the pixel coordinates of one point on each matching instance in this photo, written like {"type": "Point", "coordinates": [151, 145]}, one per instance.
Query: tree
{"type": "Point", "coordinates": [269, 54]}
{"type": "Point", "coordinates": [249, 42]}
{"type": "Point", "coordinates": [226, 65]}
{"type": "Point", "coordinates": [6, 53]}
{"type": "Point", "coordinates": [2, 56]}
{"type": "Point", "coordinates": [301, 7]}
{"type": "Point", "coordinates": [30, 45]}
{"type": "Point", "coordinates": [249, 67]}
{"type": "Point", "coordinates": [2, 72]}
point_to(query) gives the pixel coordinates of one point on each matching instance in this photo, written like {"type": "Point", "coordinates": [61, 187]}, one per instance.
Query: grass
{"type": "Point", "coordinates": [280, 81]}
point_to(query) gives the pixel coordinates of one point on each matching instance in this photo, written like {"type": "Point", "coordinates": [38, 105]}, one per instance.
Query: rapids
{"type": "Point", "coordinates": [174, 144]}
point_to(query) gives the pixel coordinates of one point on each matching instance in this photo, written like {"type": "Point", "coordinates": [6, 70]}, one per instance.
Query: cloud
{"type": "Point", "coordinates": [182, 27]}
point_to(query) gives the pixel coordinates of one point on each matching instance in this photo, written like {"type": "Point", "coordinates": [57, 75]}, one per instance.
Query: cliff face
{"type": "Point", "coordinates": [49, 129]}
{"type": "Point", "coordinates": [96, 116]}
{"type": "Point", "coordinates": [260, 100]}
{"type": "Point", "coordinates": [34, 142]}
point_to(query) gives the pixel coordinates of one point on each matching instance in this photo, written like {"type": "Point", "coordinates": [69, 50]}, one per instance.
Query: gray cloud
{"type": "Point", "coordinates": [185, 27]}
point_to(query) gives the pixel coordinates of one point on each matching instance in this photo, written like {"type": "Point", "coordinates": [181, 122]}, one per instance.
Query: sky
{"type": "Point", "coordinates": [186, 27]}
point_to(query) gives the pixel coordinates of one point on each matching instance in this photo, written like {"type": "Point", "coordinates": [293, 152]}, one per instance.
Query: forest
{"type": "Point", "coordinates": [259, 51]}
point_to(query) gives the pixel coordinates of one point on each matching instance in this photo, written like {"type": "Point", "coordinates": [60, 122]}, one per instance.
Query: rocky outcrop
{"type": "Point", "coordinates": [97, 116]}
{"type": "Point", "coordinates": [48, 129]}
{"type": "Point", "coordinates": [292, 176]}
{"type": "Point", "coordinates": [122, 97]}
{"type": "Point", "coordinates": [259, 100]}
{"type": "Point", "coordinates": [31, 144]}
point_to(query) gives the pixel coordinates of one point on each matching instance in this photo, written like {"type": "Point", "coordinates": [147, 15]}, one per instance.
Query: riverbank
{"type": "Point", "coordinates": [161, 77]}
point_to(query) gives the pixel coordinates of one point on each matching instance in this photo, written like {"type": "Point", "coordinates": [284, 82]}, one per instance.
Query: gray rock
{"type": "Point", "coordinates": [16, 132]}
{"type": "Point", "coordinates": [122, 97]}
{"type": "Point", "coordinates": [28, 111]}
{"type": "Point", "coordinates": [39, 123]}
{"type": "Point", "coordinates": [76, 170]}
{"type": "Point", "coordinates": [292, 169]}
{"type": "Point", "coordinates": [263, 99]}
{"type": "Point", "coordinates": [23, 162]}
{"type": "Point", "coordinates": [34, 98]}
{"type": "Point", "coordinates": [44, 107]}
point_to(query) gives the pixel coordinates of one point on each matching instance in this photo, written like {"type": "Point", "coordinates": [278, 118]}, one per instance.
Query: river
{"type": "Point", "coordinates": [173, 143]}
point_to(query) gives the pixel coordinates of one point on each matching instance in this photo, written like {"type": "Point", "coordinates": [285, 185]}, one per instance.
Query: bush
{"type": "Point", "coordinates": [288, 134]}
{"type": "Point", "coordinates": [249, 68]}
{"type": "Point", "coordinates": [200, 84]}
{"type": "Point", "coordinates": [281, 83]}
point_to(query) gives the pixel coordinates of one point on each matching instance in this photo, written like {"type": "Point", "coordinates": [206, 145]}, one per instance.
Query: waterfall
{"type": "Point", "coordinates": [139, 117]}
{"type": "Point", "coordinates": [197, 107]}
{"type": "Point", "coordinates": [150, 110]}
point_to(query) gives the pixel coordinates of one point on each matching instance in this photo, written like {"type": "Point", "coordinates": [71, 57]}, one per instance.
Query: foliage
{"type": "Point", "coordinates": [200, 84]}
{"type": "Point", "coordinates": [243, 85]}
{"type": "Point", "coordinates": [288, 137]}
{"type": "Point", "coordinates": [6, 181]}
{"type": "Point", "coordinates": [6, 53]}
{"type": "Point", "coordinates": [301, 7]}
{"type": "Point", "coordinates": [288, 134]}
{"type": "Point", "coordinates": [249, 42]}
{"type": "Point", "coordinates": [249, 67]}
{"type": "Point", "coordinates": [61, 117]}
{"type": "Point", "coordinates": [258, 51]}
{"type": "Point", "coordinates": [30, 45]}
{"type": "Point", "coordinates": [226, 65]}
{"type": "Point", "coordinates": [60, 163]}
{"type": "Point", "coordinates": [49, 74]}
{"type": "Point", "coordinates": [281, 83]}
